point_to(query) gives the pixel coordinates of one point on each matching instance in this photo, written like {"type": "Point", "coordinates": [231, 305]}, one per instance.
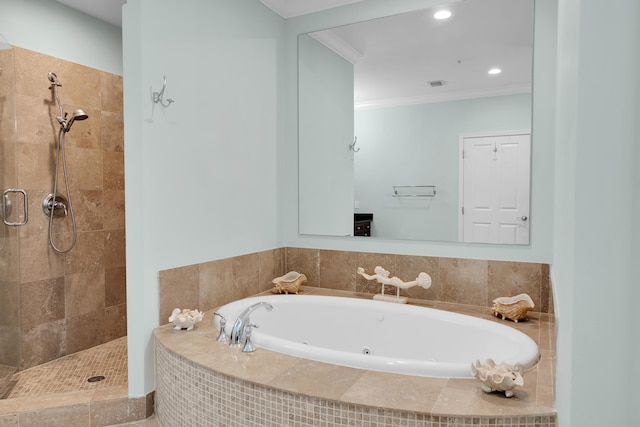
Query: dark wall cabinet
{"type": "Point", "coordinates": [362, 224]}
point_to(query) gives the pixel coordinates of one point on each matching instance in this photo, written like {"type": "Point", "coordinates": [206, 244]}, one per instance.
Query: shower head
{"type": "Point", "coordinates": [76, 115]}
{"type": "Point", "coordinates": [53, 79]}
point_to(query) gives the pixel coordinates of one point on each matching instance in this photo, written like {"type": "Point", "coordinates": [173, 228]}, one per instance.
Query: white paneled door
{"type": "Point", "coordinates": [494, 194]}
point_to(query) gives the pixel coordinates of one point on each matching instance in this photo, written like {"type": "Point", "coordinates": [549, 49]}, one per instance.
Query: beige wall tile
{"type": "Point", "coordinates": [215, 284]}
{"type": "Point", "coordinates": [80, 85]}
{"type": "Point", "coordinates": [37, 120]}
{"type": "Point", "coordinates": [506, 279]}
{"type": "Point", "coordinates": [85, 169]}
{"type": "Point", "coordinates": [115, 322]}
{"type": "Point", "coordinates": [36, 164]}
{"type": "Point", "coordinates": [10, 342]}
{"type": "Point", "coordinates": [88, 254]}
{"type": "Point", "coordinates": [10, 293]}
{"type": "Point", "coordinates": [38, 261]}
{"type": "Point", "coordinates": [113, 170]}
{"type": "Point", "coordinates": [178, 289]}
{"type": "Point", "coordinates": [115, 286]}
{"type": "Point", "coordinates": [43, 343]}
{"type": "Point", "coordinates": [85, 331]}
{"type": "Point", "coordinates": [246, 275]}
{"type": "Point", "coordinates": [463, 281]}
{"type": "Point", "coordinates": [305, 261]}
{"type": "Point", "coordinates": [546, 294]}
{"type": "Point", "coordinates": [112, 131]}
{"type": "Point", "coordinates": [84, 293]}
{"type": "Point", "coordinates": [271, 266]}
{"type": "Point", "coordinates": [38, 224]}
{"type": "Point", "coordinates": [338, 270]}
{"type": "Point", "coordinates": [8, 151]}
{"type": "Point", "coordinates": [31, 71]}
{"type": "Point", "coordinates": [42, 302]}
{"type": "Point", "coordinates": [114, 248]}
{"type": "Point", "coordinates": [114, 211]}
{"type": "Point", "coordinates": [88, 209]}
{"type": "Point", "coordinates": [111, 92]}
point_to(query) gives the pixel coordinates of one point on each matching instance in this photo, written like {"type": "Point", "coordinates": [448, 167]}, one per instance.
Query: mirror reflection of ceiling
{"type": "Point", "coordinates": [413, 58]}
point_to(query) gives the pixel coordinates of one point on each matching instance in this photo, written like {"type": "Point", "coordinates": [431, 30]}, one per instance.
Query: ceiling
{"type": "Point", "coordinates": [413, 58]}
{"type": "Point", "coordinates": [111, 10]}
{"type": "Point", "coordinates": [396, 59]}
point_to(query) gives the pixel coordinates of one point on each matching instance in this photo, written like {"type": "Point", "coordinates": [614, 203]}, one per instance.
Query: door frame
{"type": "Point", "coordinates": [486, 134]}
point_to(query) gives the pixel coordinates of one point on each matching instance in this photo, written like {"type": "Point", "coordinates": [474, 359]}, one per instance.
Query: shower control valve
{"type": "Point", "coordinates": [58, 204]}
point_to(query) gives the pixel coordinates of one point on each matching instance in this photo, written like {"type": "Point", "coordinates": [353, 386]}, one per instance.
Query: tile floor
{"type": "Point", "coordinates": [72, 372]}
{"type": "Point", "coordinates": [57, 393]}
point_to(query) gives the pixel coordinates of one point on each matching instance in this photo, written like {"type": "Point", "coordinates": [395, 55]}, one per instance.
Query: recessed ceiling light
{"type": "Point", "coordinates": [442, 14]}
{"type": "Point", "coordinates": [495, 71]}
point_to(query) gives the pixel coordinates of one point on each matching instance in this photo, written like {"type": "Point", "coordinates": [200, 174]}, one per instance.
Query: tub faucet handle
{"type": "Point", "coordinates": [222, 337]}
{"type": "Point", "coordinates": [248, 345]}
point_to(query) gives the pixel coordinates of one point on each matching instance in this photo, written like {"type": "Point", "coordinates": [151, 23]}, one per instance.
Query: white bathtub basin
{"type": "Point", "coordinates": [381, 336]}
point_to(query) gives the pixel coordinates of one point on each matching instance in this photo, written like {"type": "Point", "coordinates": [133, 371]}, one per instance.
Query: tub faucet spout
{"type": "Point", "coordinates": [238, 332]}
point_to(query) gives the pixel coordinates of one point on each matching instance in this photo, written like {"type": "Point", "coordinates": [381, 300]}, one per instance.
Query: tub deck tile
{"type": "Point", "coordinates": [401, 392]}
{"type": "Point", "coordinates": [331, 386]}
{"type": "Point", "coordinates": [317, 379]}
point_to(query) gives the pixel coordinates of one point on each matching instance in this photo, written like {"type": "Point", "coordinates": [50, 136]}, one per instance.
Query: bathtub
{"type": "Point", "coordinates": [381, 336]}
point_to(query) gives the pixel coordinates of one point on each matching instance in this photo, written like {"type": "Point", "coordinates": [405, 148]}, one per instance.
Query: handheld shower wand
{"type": "Point", "coordinates": [50, 203]}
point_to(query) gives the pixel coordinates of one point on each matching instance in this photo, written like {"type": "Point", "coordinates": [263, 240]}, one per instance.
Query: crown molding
{"type": "Point", "coordinates": [338, 45]}
{"type": "Point", "coordinates": [293, 8]}
{"type": "Point", "coordinates": [453, 96]}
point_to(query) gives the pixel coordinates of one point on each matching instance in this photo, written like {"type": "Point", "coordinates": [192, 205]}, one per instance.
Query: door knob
{"type": "Point", "coordinates": [522, 218]}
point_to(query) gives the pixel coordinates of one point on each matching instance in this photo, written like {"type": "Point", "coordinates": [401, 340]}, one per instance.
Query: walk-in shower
{"type": "Point", "coordinates": [55, 205]}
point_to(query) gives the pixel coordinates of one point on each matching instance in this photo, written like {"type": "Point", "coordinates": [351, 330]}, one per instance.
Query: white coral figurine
{"type": "Point", "coordinates": [497, 377]}
{"type": "Point", "coordinates": [185, 318]}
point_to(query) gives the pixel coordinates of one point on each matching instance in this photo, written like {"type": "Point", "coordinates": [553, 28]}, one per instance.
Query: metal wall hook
{"type": "Point", "coordinates": [157, 96]}
{"type": "Point", "coordinates": [352, 147]}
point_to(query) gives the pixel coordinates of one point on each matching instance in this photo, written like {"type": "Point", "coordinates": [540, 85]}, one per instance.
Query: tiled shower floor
{"type": "Point", "coordinates": [70, 373]}
{"type": "Point", "coordinates": [58, 393]}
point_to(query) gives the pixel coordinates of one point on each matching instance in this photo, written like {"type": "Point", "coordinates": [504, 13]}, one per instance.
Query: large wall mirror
{"type": "Point", "coordinates": [415, 127]}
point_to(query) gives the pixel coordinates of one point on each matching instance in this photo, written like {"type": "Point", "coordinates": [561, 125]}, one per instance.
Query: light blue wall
{"type": "Point", "coordinates": [540, 249]}
{"type": "Point", "coordinates": [419, 145]}
{"type": "Point", "coordinates": [202, 173]}
{"type": "Point", "coordinates": [596, 249]}
{"type": "Point", "coordinates": [54, 29]}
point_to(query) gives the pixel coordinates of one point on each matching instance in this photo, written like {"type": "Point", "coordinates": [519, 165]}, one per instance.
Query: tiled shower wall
{"type": "Point", "coordinates": [464, 281]}
{"type": "Point", "coordinates": [70, 302]}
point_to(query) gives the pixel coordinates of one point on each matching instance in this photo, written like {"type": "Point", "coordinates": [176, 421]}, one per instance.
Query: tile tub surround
{"type": "Point", "coordinates": [455, 280]}
{"type": "Point", "coordinates": [215, 283]}
{"type": "Point", "coordinates": [200, 382]}
{"type": "Point", "coordinates": [74, 301]}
